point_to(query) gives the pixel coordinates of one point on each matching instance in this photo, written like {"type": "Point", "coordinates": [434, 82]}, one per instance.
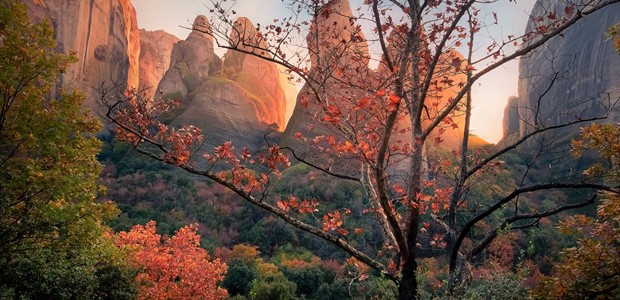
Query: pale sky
{"type": "Point", "coordinates": [490, 93]}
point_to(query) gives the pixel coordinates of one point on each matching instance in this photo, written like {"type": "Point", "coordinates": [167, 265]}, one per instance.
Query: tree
{"type": "Point", "coordinates": [175, 269]}
{"type": "Point", "coordinates": [52, 242]}
{"type": "Point", "coordinates": [275, 287]}
{"type": "Point", "coordinates": [382, 128]}
{"type": "Point", "coordinates": [238, 280]}
{"type": "Point", "coordinates": [591, 269]}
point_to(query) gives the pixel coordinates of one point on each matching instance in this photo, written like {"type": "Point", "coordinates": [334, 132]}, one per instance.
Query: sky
{"type": "Point", "coordinates": [490, 94]}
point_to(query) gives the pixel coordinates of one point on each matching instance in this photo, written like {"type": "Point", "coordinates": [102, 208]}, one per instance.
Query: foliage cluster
{"type": "Point", "coordinates": [52, 241]}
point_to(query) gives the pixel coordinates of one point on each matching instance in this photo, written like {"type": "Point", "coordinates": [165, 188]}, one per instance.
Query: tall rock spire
{"type": "Point", "coordinates": [339, 62]}
{"type": "Point", "coordinates": [192, 60]}
{"type": "Point", "coordinates": [257, 76]}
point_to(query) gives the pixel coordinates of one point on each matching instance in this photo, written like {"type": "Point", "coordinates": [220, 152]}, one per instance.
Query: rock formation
{"type": "Point", "coordinates": [339, 50]}
{"type": "Point", "coordinates": [192, 60]}
{"type": "Point", "coordinates": [290, 93]}
{"type": "Point", "coordinates": [132, 35]}
{"type": "Point", "coordinates": [574, 76]}
{"type": "Point", "coordinates": [223, 108]}
{"type": "Point", "coordinates": [511, 119]}
{"type": "Point", "coordinates": [445, 85]}
{"type": "Point", "coordinates": [342, 50]}
{"type": "Point", "coordinates": [257, 76]}
{"type": "Point", "coordinates": [155, 54]}
{"type": "Point", "coordinates": [104, 36]}
{"type": "Point", "coordinates": [447, 82]}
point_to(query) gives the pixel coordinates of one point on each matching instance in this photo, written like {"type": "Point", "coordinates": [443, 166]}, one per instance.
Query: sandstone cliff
{"type": "Point", "coordinates": [511, 119]}
{"type": "Point", "coordinates": [342, 51]}
{"type": "Point", "coordinates": [132, 34]}
{"type": "Point", "coordinates": [155, 53]}
{"type": "Point", "coordinates": [191, 61]}
{"type": "Point", "coordinates": [290, 93]}
{"type": "Point", "coordinates": [574, 77]}
{"type": "Point", "coordinates": [257, 76]}
{"type": "Point", "coordinates": [445, 86]}
{"type": "Point", "coordinates": [221, 107]}
{"type": "Point", "coordinates": [446, 82]}
{"type": "Point", "coordinates": [103, 34]}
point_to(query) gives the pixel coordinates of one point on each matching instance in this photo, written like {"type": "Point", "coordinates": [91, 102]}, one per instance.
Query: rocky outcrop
{"type": "Point", "coordinates": [155, 53]}
{"type": "Point", "coordinates": [221, 107]}
{"type": "Point", "coordinates": [257, 76]}
{"type": "Point", "coordinates": [446, 83]}
{"type": "Point", "coordinates": [574, 76]}
{"type": "Point", "coordinates": [340, 63]}
{"type": "Point", "coordinates": [191, 61]}
{"type": "Point", "coordinates": [225, 112]}
{"type": "Point", "coordinates": [104, 36]}
{"type": "Point", "coordinates": [290, 93]}
{"type": "Point", "coordinates": [338, 49]}
{"type": "Point", "coordinates": [510, 123]}
{"type": "Point", "coordinates": [339, 40]}
{"type": "Point", "coordinates": [132, 34]}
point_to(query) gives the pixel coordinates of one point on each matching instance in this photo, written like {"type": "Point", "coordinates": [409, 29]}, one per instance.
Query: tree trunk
{"type": "Point", "coordinates": [408, 288]}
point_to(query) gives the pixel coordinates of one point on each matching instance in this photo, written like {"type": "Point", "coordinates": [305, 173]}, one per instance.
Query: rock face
{"type": "Point", "coordinates": [446, 86]}
{"type": "Point", "coordinates": [257, 76]}
{"type": "Point", "coordinates": [343, 51]}
{"type": "Point", "coordinates": [340, 51]}
{"type": "Point", "coordinates": [224, 111]}
{"type": "Point", "coordinates": [290, 93]}
{"type": "Point", "coordinates": [104, 36]}
{"type": "Point", "coordinates": [132, 35]}
{"type": "Point", "coordinates": [223, 108]}
{"type": "Point", "coordinates": [155, 53]}
{"type": "Point", "coordinates": [191, 61]}
{"type": "Point", "coordinates": [511, 118]}
{"type": "Point", "coordinates": [339, 41]}
{"type": "Point", "coordinates": [573, 77]}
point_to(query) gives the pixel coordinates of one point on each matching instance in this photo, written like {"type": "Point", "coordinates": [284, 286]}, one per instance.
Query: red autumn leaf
{"type": "Point", "coordinates": [392, 266]}
{"type": "Point", "coordinates": [398, 189]}
{"type": "Point", "coordinates": [304, 101]}
{"type": "Point", "coordinates": [331, 140]}
{"type": "Point", "coordinates": [542, 29]}
{"type": "Point", "coordinates": [174, 269]}
{"type": "Point", "coordinates": [333, 110]}
{"type": "Point", "coordinates": [293, 202]}
{"type": "Point", "coordinates": [362, 103]}
{"type": "Point", "coordinates": [283, 205]}
{"type": "Point", "coordinates": [245, 154]}
{"type": "Point", "coordinates": [394, 99]}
